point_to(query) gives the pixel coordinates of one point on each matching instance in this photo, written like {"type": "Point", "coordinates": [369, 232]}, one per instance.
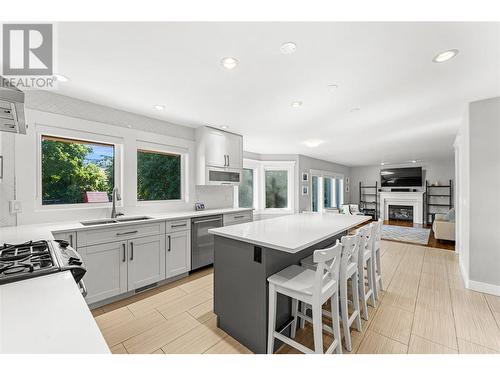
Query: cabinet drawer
{"type": "Point", "coordinates": [238, 218]}
{"type": "Point", "coordinates": [118, 233]}
{"type": "Point", "coordinates": [177, 225]}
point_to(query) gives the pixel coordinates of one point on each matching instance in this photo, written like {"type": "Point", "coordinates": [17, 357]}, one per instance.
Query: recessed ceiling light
{"type": "Point", "coordinates": [61, 78]}
{"type": "Point", "coordinates": [333, 86]}
{"type": "Point", "coordinates": [382, 163]}
{"type": "Point", "coordinates": [288, 48]}
{"type": "Point", "coordinates": [413, 161]}
{"type": "Point", "coordinates": [313, 142]}
{"type": "Point", "coordinates": [355, 109]}
{"type": "Point", "coordinates": [159, 107]}
{"type": "Point", "coordinates": [445, 56]}
{"type": "Point", "coordinates": [296, 104]}
{"type": "Point", "coordinates": [223, 126]}
{"type": "Point", "coordinates": [229, 63]}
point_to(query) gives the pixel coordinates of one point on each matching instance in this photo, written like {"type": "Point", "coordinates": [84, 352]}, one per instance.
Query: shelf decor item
{"type": "Point", "coordinates": [305, 176]}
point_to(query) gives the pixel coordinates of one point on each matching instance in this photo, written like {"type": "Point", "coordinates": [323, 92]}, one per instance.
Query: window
{"type": "Point", "coordinates": [276, 188]}
{"type": "Point", "coordinates": [158, 176]}
{"type": "Point", "coordinates": [245, 190]}
{"type": "Point", "coordinates": [76, 171]}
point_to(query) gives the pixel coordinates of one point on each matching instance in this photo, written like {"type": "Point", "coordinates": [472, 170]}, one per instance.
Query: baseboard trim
{"type": "Point", "coordinates": [479, 286]}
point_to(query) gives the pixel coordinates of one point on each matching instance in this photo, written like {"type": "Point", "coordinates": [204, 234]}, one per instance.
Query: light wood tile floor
{"type": "Point", "coordinates": [425, 309]}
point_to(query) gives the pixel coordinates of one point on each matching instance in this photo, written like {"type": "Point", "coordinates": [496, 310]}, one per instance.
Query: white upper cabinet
{"type": "Point", "coordinates": [219, 156]}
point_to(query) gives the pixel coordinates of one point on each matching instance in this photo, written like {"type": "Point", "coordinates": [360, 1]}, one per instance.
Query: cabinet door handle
{"type": "Point", "coordinates": [131, 251]}
{"type": "Point", "coordinates": [71, 240]}
{"type": "Point", "coordinates": [228, 160]}
{"type": "Point", "coordinates": [225, 160]}
{"type": "Point", "coordinates": [239, 217]}
{"type": "Point", "coordinates": [124, 253]}
{"type": "Point", "coordinates": [178, 225]}
{"type": "Point", "coordinates": [169, 243]}
{"type": "Point", "coordinates": [125, 233]}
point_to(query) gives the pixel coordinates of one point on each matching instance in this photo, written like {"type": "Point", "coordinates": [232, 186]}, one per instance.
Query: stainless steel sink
{"type": "Point", "coordinates": [124, 219]}
{"type": "Point", "coordinates": [98, 222]}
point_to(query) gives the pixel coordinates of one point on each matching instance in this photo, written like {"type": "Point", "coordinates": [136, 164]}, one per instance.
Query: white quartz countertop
{"type": "Point", "coordinates": [47, 314]}
{"type": "Point", "coordinates": [23, 233]}
{"type": "Point", "coordinates": [291, 233]}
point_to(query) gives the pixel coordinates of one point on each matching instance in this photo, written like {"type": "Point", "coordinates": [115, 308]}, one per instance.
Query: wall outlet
{"type": "Point", "coordinates": [15, 207]}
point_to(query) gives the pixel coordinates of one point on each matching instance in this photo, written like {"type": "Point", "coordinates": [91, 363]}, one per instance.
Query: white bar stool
{"type": "Point", "coordinates": [313, 288]}
{"type": "Point", "coordinates": [377, 268]}
{"type": "Point", "coordinates": [365, 260]}
{"type": "Point", "coordinates": [348, 270]}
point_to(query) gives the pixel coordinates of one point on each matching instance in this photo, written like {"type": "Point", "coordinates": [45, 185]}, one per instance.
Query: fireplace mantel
{"type": "Point", "coordinates": [414, 199]}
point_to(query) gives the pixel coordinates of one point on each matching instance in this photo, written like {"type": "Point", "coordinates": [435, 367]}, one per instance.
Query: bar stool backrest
{"type": "Point", "coordinates": [327, 268]}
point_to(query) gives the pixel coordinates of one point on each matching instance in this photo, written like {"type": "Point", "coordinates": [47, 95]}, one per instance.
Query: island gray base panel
{"type": "Point", "coordinates": [241, 270]}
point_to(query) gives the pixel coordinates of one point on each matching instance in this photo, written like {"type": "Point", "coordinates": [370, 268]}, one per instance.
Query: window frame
{"type": "Point", "coordinates": [163, 149]}
{"type": "Point", "coordinates": [162, 152]}
{"type": "Point", "coordinates": [77, 136]}
{"type": "Point", "coordinates": [259, 197]}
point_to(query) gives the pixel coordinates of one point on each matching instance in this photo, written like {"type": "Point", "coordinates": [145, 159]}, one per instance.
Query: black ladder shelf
{"type": "Point", "coordinates": [437, 191]}
{"type": "Point", "coordinates": [368, 200]}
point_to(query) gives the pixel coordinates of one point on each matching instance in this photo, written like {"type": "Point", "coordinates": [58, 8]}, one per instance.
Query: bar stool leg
{"type": "Point", "coordinates": [271, 319]}
{"type": "Point", "coordinates": [295, 308]}
{"type": "Point", "coordinates": [379, 270]}
{"type": "Point", "coordinates": [355, 300]}
{"type": "Point", "coordinates": [372, 281]}
{"type": "Point", "coordinates": [362, 293]}
{"type": "Point", "coordinates": [303, 309]}
{"type": "Point", "coordinates": [317, 317]}
{"type": "Point", "coordinates": [334, 301]}
{"type": "Point", "coordinates": [344, 312]}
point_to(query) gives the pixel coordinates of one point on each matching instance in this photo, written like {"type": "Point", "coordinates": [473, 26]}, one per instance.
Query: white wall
{"type": "Point", "coordinates": [484, 159]}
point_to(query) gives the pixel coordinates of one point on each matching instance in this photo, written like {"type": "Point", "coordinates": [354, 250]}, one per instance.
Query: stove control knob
{"type": "Point", "coordinates": [63, 243]}
{"type": "Point", "coordinates": [74, 261]}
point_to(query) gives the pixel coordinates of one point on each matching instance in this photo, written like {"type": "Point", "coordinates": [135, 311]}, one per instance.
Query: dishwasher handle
{"type": "Point", "coordinates": [207, 220]}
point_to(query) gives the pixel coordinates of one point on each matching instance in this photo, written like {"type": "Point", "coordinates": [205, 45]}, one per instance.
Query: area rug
{"type": "Point", "coordinates": [406, 234]}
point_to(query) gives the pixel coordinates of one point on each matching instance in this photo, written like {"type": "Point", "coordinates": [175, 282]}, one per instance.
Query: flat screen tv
{"type": "Point", "coordinates": [401, 177]}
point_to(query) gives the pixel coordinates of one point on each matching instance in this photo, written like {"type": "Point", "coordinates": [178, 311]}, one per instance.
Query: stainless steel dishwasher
{"type": "Point", "coordinates": [202, 242]}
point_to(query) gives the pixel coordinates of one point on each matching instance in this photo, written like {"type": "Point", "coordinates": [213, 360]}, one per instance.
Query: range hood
{"type": "Point", "coordinates": [12, 118]}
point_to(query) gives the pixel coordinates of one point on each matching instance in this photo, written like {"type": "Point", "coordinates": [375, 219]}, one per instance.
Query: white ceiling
{"type": "Point", "coordinates": [410, 107]}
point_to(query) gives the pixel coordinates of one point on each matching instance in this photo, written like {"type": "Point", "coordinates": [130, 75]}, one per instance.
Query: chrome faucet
{"type": "Point", "coordinates": [115, 195]}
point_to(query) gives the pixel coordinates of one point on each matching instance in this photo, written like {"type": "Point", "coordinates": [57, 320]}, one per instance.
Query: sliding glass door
{"type": "Point", "coordinates": [327, 192]}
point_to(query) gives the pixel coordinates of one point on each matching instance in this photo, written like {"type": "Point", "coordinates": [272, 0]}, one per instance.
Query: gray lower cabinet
{"type": "Point", "coordinates": [146, 261]}
{"type": "Point", "coordinates": [106, 270]}
{"type": "Point", "coordinates": [178, 254]}
{"type": "Point", "coordinates": [117, 267]}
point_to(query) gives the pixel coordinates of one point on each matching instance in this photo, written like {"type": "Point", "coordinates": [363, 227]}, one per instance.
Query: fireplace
{"type": "Point", "coordinates": [399, 212]}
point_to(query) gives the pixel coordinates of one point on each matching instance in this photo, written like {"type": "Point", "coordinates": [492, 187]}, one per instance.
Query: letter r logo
{"type": "Point", "coordinates": [27, 49]}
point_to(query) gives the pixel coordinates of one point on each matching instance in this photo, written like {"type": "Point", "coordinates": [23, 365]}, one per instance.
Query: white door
{"type": "Point", "coordinates": [178, 259]}
{"type": "Point", "coordinates": [106, 270]}
{"type": "Point", "coordinates": [146, 261]}
{"type": "Point", "coordinates": [215, 148]}
{"type": "Point", "coordinates": [234, 150]}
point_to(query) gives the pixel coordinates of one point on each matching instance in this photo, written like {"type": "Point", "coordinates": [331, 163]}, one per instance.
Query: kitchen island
{"type": "Point", "coordinates": [247, 254]}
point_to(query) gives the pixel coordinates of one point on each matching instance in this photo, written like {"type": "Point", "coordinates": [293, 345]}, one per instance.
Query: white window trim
{"type": "Point", "coordinates": [44, 130]}
{"type": "Point", "coordinates": [169, 149]}
{"type": "Point", "coordinates": [259, 167]}
{"type": "Point", "coordinates": [321, 175]}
